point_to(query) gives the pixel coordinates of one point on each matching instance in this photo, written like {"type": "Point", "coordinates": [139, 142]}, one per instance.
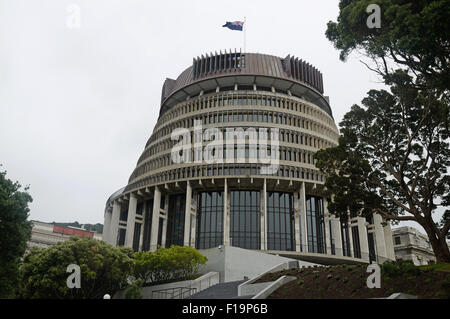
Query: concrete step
{"type": "Point", "coordinates": [226, 290]}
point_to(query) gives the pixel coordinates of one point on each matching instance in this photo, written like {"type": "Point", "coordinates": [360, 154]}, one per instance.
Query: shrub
{"type": "Point", "coordinates": [176, 262]}
{"type": "Point", "coordinates": [345, 280]}
{"type": "Point", "coordinates": [399, 268]}
{"type": "Point", "coordinates": [134, 291]}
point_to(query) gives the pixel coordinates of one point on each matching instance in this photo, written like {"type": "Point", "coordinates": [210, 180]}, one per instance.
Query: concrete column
{"type": "Point", "coordinates": [304, 228]}
{"type": "Point", "coordinates": [131, 220]}
{"type": "Point", "coordinates": [187, 215]}
{"type": "Point", "coordinates": [107, 226]}
{"type": "Point", "coordinates": [337, 236]}
{"type": "Point", "coordinates": [226, 215]}
{"type": "Point", "coordinates": [363, 240]}
{"type": "Point", "coordinates": [350, 237]}
{"type": "Point", "coordinates": [155, 219]}
{"type": "Point", "coordinates": [297, 216]}
{"type": "Point", "coordinates": [164, 234]}
{"type": "Point", "coordinates": [389, 242]}
{"type": "Point", "coordinates": [326, 220]}
{"type": "Point", "coordinates": [379, 238]}
{"type": "Point", "coordinates": [114, 230]}
{"type": "Point", "coordinates": [263, 221]}
{"type": "Point", "coordinates": [194, 221]}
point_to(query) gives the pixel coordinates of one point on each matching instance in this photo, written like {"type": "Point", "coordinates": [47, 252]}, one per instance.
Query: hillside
{"type": "Point", "coordinates": [349, 282]}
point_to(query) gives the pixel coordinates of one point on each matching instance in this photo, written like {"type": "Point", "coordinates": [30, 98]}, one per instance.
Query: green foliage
{"type": "Point", "coordinates": [399, 268]}
{"type": "Point", "coordinates": [394, 152]}
{"type": "Point", "coordinates": [134, 291]}
{"type": "Point", "coordinates": [15, 231]}
{"type": "Point", "coordinates": [104, 269]}
{"type": "Point", "coordinates": [413, 36]}
{"type": "Point", "coordinates": [176, 262]}
{"type": "Point", "coordinates": [300, 282]}
{"type": "Point", "coordinates": [345, 280]}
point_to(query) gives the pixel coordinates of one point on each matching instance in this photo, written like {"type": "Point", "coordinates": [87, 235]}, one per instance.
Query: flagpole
{"type": "Point", "coordinates": [245, 33]}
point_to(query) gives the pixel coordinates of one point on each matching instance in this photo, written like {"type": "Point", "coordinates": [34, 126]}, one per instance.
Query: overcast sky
{"type": "Point", "coordinates": [77, 105]}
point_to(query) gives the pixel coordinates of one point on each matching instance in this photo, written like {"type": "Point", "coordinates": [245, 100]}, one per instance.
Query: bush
{"type": "Point", "coordinates": [134, 291]}
{"type": "Point", "coordinates": [399, 268]}
{"type": "Point", "coordinates": [176, 262]}
{"type": "Point", "coordinates": [104, 269]}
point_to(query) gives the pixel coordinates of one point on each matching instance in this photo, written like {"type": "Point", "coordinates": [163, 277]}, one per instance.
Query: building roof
{"type": "Point", "coordinates": [222, 69]}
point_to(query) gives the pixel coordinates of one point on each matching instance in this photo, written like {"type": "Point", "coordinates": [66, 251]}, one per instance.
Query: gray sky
{"type": "Point", "coordinates": [77, 105]}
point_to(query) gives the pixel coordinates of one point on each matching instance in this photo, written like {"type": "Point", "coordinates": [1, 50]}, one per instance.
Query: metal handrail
{"type": "Point", "coordinates": [181, 292]}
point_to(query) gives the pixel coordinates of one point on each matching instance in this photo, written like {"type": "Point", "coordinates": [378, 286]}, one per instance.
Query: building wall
{"type": "Point", "coordinates": [410, 244]}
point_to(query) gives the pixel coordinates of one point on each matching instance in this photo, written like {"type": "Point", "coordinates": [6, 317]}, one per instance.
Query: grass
{"type": "Point", "coordinates": [436, 267]}
{"type": "Point", "coordinates": [349, 282]}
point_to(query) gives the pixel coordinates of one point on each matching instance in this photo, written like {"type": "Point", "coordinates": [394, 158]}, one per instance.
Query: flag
{"type": "Point", "coordinates": [236, 25]}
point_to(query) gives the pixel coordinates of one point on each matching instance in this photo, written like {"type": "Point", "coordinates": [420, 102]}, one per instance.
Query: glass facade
{"type": "Point", "coordinates": [148, 219]}
{"type": "Point", "coordinates": [121, 237]}
{"type": "Point", "coordinates": [245, 219]}
{"type": "Point", "coordinates": [280, 221]}
{"type": "Point", "coordinates": [209, 220]}
{"type": "Point", "coordinates": [356, 242]}
{"type": "Point", "coordinates": [136, 236]}
{"type": "Point", "coordinates": [315, 224]}
{"type": "Point", "coordinates": [175, 220]}
{"type": "Point", "coordinates": [345, 239]}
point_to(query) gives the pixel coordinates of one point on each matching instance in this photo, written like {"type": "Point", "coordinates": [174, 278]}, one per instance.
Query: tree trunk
{"type": "Point", "coordinates": [439, 245]}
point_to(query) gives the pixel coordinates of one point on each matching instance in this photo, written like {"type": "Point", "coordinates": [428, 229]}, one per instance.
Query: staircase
{"type": "Point", "coordinates": [226, 290]}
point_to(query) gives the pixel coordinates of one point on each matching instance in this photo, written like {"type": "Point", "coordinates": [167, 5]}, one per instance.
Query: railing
{"type": "Point", "coordinates": [204, 281]}
{"type": "Point", "coordinates": [174, 293]}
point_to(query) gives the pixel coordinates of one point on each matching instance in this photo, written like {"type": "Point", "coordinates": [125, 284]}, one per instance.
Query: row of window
{"type": "Point", "coordinates": [207, 101]}
{"type": "Point", "coordinates": [285, 136]}
{"type": "Point", "coordinates": [164, 127]}
{"type": "Point", "coordinates": [239, 154]}
{"type": "Point", "coordinates": [245, 223]}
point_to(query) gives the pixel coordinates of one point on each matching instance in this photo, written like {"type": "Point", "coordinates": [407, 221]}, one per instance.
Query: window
{"type": "Point", "coordinates": [315, 224]}
{"type": "Point", "coordinates": [397, 240]}
{"type": "Point", "coordinates": [345, 239]}
{"type": "Point", "coordinates": [175, 220]}
{"type": "Point", "coordinates": [147, 225]}
{"type": "Point", "coordinates": [280, 221]}
{"type": "Point", "coordinates": [356, 242]}
{"type": "Point", "coordinates": [121, 239]}
{"type": "Point", "coordinates": [245, 220]}
{"type": "Point", "coordinates": [209, 220]}
{"type": "Point", "coordinates": [136, 236]}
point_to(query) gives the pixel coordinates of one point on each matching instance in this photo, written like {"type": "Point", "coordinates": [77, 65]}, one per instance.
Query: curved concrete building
{"type": "Point", "coordinates": [230, 162]}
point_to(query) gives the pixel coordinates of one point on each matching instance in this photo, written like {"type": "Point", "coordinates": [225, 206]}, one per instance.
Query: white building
{"type": "Point", "coordinates": [411, 244]}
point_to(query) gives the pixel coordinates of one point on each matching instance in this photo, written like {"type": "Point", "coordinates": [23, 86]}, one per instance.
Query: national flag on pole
{"type": "Point", "coordinates": [236, 25]}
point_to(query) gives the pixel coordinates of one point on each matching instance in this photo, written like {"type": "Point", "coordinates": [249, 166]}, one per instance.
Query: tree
{"type": "Point", "coordinates": [392, 159]}
{"type": "Point", "coordinates": [414, 36]}
{"type": "Point", "coordinates": [393, 154]}
{"type": "Point", "coordinates": [15, 231]}
{"type": "Point", "coordinates": [104, 269]}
